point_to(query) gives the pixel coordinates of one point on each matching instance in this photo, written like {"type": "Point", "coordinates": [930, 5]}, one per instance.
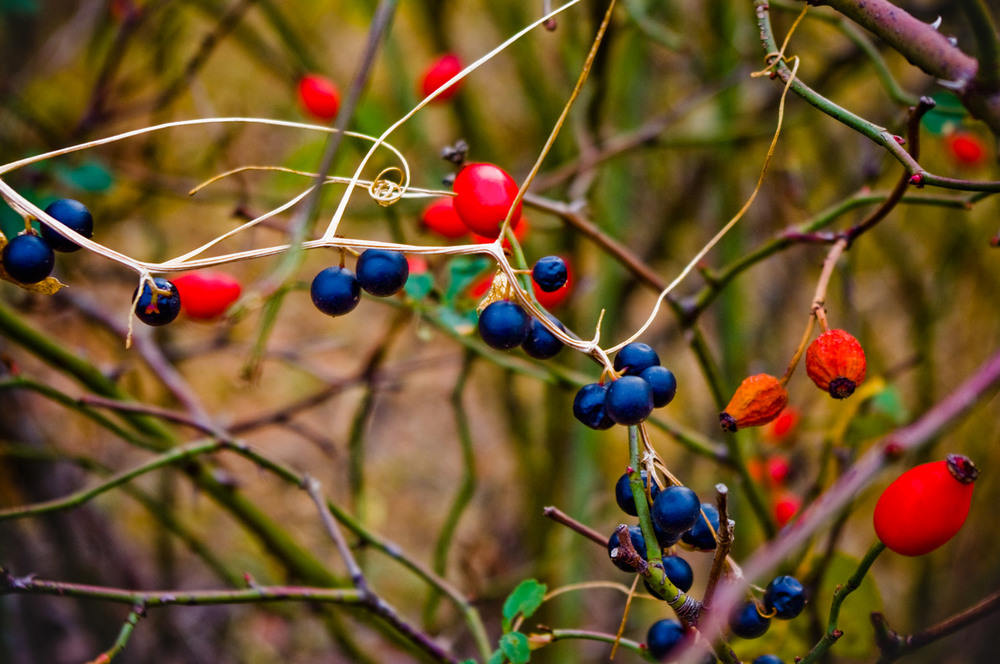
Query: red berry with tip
{"type": "Point", "coordinates": [484, 194]}
{"type": "Point", "coordinates": [440, 72]}
{"type": "Point", "coordinates": [319, 96]}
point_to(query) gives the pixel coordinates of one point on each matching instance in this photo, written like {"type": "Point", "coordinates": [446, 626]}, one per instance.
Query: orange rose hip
{"type": "Point", "coordinates": [836, 362]}
{"type": "Point", "coordinates": [758, 400]}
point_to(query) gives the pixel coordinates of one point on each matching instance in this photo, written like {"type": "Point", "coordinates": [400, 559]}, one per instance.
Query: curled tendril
{"type": "Point", "coordinates": [386, 191]}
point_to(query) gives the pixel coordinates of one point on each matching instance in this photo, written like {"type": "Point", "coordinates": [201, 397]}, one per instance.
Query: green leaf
{"type": "Point", "coordinates": [88, 176]}
{"type": "Point", "coordinates": [497, 657]}
{"type": "Point", "coordinates": [463, 271]}
{"type": "Point", "coordinates": [419, 285]}
{"type": "Point", "coordinates": [524, 600]}
{"type": "Point", "coordinates": [462, 322]}
{"type": "Point", "coordinates": [22, 7]}
{"type": "Point", "coordinates": [515, 647]}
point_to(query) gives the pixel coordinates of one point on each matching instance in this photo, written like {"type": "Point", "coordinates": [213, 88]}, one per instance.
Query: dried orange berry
{"type": "Point", "coordinates": [836, 363]}
{"type": "Point", "coordinates": [758, 400]}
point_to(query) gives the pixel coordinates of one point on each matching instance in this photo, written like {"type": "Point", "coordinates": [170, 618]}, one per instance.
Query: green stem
{"type": "Point", "coordinates": [553, 635]}
{"type": "Point", "coordinates": [134, 616]}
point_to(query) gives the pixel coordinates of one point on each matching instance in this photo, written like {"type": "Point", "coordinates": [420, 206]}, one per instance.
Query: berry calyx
{"type": "Point", "coordinates": [382, 273]}
{"type": "Point", "coordinates": [155, 308]}
{"type": "Point", "coordinates": [540, 343]}
{"type": "Point", "coordinates": [319, 96]}
{"type": "Point", "coordinates": [629, 400]}
{"type": "Point", "coordinates": [484, 194]}
{"type": "Point", "coordinates": [835, 361]}
{"type": "Point", "coordinates": [205, 295]}
{"type": "Point", "coordinates": [925, 506]}
{"type": "Point", "coordinates": [28, 258]}
{"type": "Point", "coordinates": [758, 400]}
{"type": "Point", "coordinates": [440, 217]}
{"type": "Point", "coordinates": [588, 407]}
{"type": "Point", "coordinates": [549, 273]}
{"type": "Point", "coordinates": [335, 291]}
{"type": "Point", "coordinates": [504, 325]}
{"type": "Point", "coordinates": [785, 597]}
{"type": "Point", "coordinates": [700, 537]}
{"type": "Point", "coordinates": [624, 496]}
{"type": "Point", "coordinates": [440, 72]}
{"type": "Point", "coordinates": [663, 383]}
{"type": "Point", "coordinates": [635, 358]}
{"type": "Point", "coordinates": [73, 214]}
{"type": "Point", "coordinates": [676, 509]}
{"type": "Point", "coordinates": [747, 622]}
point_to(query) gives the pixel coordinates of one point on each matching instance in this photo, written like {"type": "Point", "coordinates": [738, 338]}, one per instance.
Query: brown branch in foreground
{"type": "Point", "coordinates": [559, 516]}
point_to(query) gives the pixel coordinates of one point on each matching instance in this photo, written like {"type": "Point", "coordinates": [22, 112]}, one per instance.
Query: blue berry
{"type": "Point", "coordinates": [156, 309]}
{"type": "Point", "coordinates": [624, 496]}
{"type": "Point", "coordinates": [28, 259]}
{"type": "Point", "coordinates": [382, 273]}
{"type": "Point", "coordinates": [700, 536]}
{"type": "Point", "coordinates": [638, 542]}
{"type": "Point", "coordinates": [542, 344]}
{"type": "Point", "coordinates": [504, 325]}
{"type": "Point", "coordinates": [679, 572]}
{"type": "Point", "coordinates": [73, 214]}
{"type": "Point", "coordinates": [747, 623]}
{"type": "Point", "coordinates": [335, 291]}
{"type": "Point", "coordinates": [588, 407]}
{"type": "Point", "coordinates": [768, 659]}
{"type": "Point", "coordinates": [676, 509]}
{"type": "Point", "coordinates": [663, 637]}
{"type": "Point", "coordinates": [629, 400]}
{"type": "Point", "coordinates": [636, 357]}
{"type": "Point", "coordinates": [550, 273]}
{"type": "Point", "coordinates": [663, 382]}
{"type": "Point", "coordinates": [663, 538]}
{"type": "Point", "coordinates": [785, 596]}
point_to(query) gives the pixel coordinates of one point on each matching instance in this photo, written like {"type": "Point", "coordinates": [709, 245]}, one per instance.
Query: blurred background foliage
{"type": "Point", "coordinates": [663, 147]}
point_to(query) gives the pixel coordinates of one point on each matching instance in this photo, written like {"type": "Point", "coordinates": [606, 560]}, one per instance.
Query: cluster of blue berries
{"type": "Point", "coordinates": [630, 399]}
{"type": "Point", "coordinates": [30, 257]}
{"type": "Point", "coordinates": [336, 290]}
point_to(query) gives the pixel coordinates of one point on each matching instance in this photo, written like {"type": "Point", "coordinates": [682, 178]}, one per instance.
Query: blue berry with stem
{"type": "Point", "coordinates": [785, 596]}
{"type": "Point", "coordinates": [624, 496]}
{"type": "Point", "coordinates": [663, 382]}
{"type": "Point", "coordinates": [768, 659]}
{"type": "Point", "coordinates": [550, 273]}
{"type": "Point", "coordinates": [676, 509]}
{"type": "Point", "coordinates": [588, 407]}
{"type": "Point", "coordinates": [28, 258]}
{"type": "Point", "coordinates": [73, 214]}
{"type": "Point", "coordinates": [700, 536]}
{"type": "Point", "coordinates": [663, 637]}
{"type": "Point", "coordinates": [679, 572]}
{"type": "Point", "coordinates": [382, 273]}
{"type": "Point", "coordinates": [747, 623]}
{"type": "Point", "coordinates": [504, 325]}
{"type": "Point", "coordinates": [636, 357]}
{"type": "Point", "coordinates": [335, 291]}
{"type": "Point", "coordinates": [638, 543]}
{"type": "Point", "coordinates": [629, 400]}
{"type": "Point", "coordinates": [157, 308]}
{"type": "Point", "coordinates": [541, 344]}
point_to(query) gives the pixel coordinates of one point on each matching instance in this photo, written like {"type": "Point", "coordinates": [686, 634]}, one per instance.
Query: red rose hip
{"type": "Point", "coordinates": [206, 295]}
{"type": "Point", "coordinates": [483, 196]}
{"type": "Point", "coordinates": [836, 362]}
{"type": "Point", "coordinates": [440, 72]}
{"type": "Point", "coordinates": [319, 96]}
{"type": "Point", "coordinates": [926, 506]}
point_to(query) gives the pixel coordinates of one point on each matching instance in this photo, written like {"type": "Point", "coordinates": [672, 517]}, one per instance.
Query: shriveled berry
{"type": "Point", "coordinates": [504, 325]}
{"type": "Point", "coordinates": [638, 543]}
{"type": "Point", "coordinates": [785, 596]}
{"type": "Point", "coordinates": [624, 496]}
{"type": "Point", "coordinates": [73, 214]}
{"type": "Point", "coordinates": [747, 623]}
{"type": "Point", "coordinates": [440, 72]}
{"type": "Point", "coordinates": [835, 361]}
{"type": "Point", "coordinates": [335, 291]}
{"type": "Point", "coordinates": [676, 509]}
{"type": "Point", "coordinates": [663, 382]}
{"type": "Point", "coordinates": [484, 194]}
{"type": "Point", "coordinates": [28, 258]}
{"type": "Point", "coordinates": [663, 638]}
{"type": "Point", "coordinates": [549, 272]}
{"type": "Point", "coordinates": [382, 273]}
{"type": "Point", "coordinates": [635, 358]}
{"type": "Point", "coordinates": [541, 344]}
{"type": "Point", "coordinates": [629, 400]}
{"type": "Point", "coordinates": [441, 218]}
{"type": "Point", "coordinates": [205, 294]}
{"type": "Point", "coordinates": [154, 308]}
{"type": "Point", "coordinates": [588, 407]}
{"type": "Point", "coordinates": [319, 96]}
{"type": "Point", "coordinates": [925, 506]}
{"type": "Point", "coordinates": [701, 537]}
{"type": "Point", "coordinates": [758, 400]}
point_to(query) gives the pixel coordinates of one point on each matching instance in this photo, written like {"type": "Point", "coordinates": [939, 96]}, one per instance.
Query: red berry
{"type": "Point", "coordinates": [556, 297]}
{"type": "Point", "coordinates": [836, 362]}
{"type": "Point", "coordinates": [441, 218]}
{"type": "Point", "coordinates": [206, 295]}
{"type": "Point", "coordinates": [783, 427]}
{"type": "Point", "coordinates": [483, 196]}
{"type": "Point", "coordinates": [966, 148]}
{"type": "Point", "coordinates": [417, 264]}
{"type": "Point", "coordinates": [758, 400]}
{"type": "Point", "coordinates": [785, 507]}
{"type": "Point", "coordinates": [319, 96]}
{"type": "Point", "coordinates": [926, 506]}
{"type": "Point", "coordinates": [440, 72]}
{"type": "Point", "coordinates": [778, 469]}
